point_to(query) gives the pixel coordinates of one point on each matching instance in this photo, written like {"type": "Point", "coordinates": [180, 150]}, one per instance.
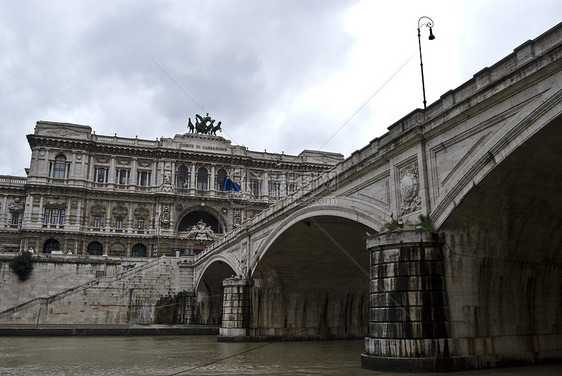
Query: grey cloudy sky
{"type": "Point", "coordinates": [280, 75]}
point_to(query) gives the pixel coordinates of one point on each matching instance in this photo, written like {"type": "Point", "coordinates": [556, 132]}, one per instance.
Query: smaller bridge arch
{"type": "Point", "coordinates": [209, 289]}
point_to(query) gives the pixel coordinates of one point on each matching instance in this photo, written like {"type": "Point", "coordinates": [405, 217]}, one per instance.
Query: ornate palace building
{"type": "Point", "coordinates": [88, 194]}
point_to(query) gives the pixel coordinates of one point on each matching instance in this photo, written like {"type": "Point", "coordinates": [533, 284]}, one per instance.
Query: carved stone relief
{"type": "Point", "coordinates": [142, 212]}
{"type": "Point", "coordinates": [165, 217]}
{"type": "Point", "coordinates": [410, 200]}
{"type": "Point", "coordinates": [55, 203]}
{"type": "Point", "coordinates": [16, 205]}
{"type": "Point", "coordinates": [97, 210]}
{"type": "Point", "coordinates": [120, 210]}
{"type": "Point", "coordinates": [167, 183]}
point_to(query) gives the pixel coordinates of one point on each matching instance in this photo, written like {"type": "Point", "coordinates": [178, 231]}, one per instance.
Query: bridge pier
{"type": "Point", "coordinates": [408, 329]}
{"type": "Point", "coordinates": [236, 310]}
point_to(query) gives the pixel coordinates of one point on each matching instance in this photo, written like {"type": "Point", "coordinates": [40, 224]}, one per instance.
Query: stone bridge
{"type": "Point", "coordinates": [440, 242]}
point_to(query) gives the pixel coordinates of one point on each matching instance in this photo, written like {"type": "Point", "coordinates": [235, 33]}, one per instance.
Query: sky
{"type": "Point", "coordinates": [281, 75]}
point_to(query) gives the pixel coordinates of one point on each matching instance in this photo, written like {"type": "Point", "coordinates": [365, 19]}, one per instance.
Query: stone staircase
{"type": "Point", "coordinates": [125, 298]}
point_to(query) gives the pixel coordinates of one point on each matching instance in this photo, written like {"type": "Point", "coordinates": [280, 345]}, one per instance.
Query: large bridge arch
{"type": "Point", "coordinates": [312, 277]}
{"type": "Point", "coordinates": [503, 265]}
{"type": "Point", "coordinates": [339, 207]}
{"type": "Point", "coordinates": [511, 136]}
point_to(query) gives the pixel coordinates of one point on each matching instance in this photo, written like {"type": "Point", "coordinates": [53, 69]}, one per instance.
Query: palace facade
{"type": "Point", "coordinates": [88, 194]}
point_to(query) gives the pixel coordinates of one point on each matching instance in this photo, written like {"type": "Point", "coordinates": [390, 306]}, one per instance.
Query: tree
{"type": "Point", "coordinates": [22, 265]}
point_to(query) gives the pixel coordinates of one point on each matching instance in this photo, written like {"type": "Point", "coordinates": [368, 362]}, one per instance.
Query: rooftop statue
{"type": "Point", "coordinates": [204, 125]}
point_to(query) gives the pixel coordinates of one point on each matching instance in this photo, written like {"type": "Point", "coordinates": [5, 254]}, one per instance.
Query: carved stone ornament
{"type": "Point", "coordinates": [97, 210]}
{"type": "Point", "coordinates": [55, 204]}
{"type": "Point", "coordinates": [142, 212]}
{"type": "Point", "coordinates": [120, 210]}
{"type": "Point", "coordinates": [165, 218]}
{"type": "Point", "coordinates": [202, 232]}
{"type": "Point", "coordinates": [410, 200]}
{"type": "Point", "coordinates": [16, 205]}
{"type": "Point", "coordinates": [167, 183]}
{"type": "Point", "coordinates": [102, 159]}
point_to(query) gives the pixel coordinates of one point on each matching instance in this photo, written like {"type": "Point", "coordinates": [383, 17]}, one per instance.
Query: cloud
{"type": "Point", "coordinates": [280, 75]}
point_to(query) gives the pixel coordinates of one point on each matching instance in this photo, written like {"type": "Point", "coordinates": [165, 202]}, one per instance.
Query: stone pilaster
{"type": "Point", "coordinates": [408, 327]}
{"type": "Point", "coordinates": [236, 309]}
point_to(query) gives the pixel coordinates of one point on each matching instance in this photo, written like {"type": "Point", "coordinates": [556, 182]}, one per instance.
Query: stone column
{"type": "Point", "coordinates": [212, 179]}
{"type": "Point", "coordinates": [408, 328]}
{"type": "Point", "coordinates": [236, 308]}
{"type": "Point", "coordinates": [192, 183]}
{"type": "Point", "coordinates": [111, 177]}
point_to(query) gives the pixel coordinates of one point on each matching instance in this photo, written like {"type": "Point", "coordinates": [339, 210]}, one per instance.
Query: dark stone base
{"type": "Point", "coordinates": [448, 364]}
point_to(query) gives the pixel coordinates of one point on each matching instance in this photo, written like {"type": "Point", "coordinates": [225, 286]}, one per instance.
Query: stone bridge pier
{"type": "Point", "coordinates": [409, 316]}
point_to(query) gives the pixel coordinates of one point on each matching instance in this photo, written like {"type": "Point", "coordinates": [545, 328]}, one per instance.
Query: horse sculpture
{"type": "Point", "coordinates": [204, 125]}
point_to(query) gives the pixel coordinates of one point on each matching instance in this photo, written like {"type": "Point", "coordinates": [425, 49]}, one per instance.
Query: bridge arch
{"type": "Point", "coordinates": [510, 137]}
{"type": "Point", "coordinates": [503, 241]}
{"type": "Point", "coordinates": [209, 289]}
{"type": "Point", "coordinates": [341, 207]}
{"type": "Point", "coordinates": [311, 277]}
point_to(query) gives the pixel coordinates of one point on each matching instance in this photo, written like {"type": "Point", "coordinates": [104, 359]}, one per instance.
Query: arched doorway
{"type": "Point", "coordinates": [51, 245]}
{"type": "Point", "coordinates": [191, 219]}
{"type": "Point", "coordinates": [95, 249]}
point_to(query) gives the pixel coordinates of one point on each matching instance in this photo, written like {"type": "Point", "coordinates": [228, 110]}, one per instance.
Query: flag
{"type": "Point", "coordinates": [229, 185]}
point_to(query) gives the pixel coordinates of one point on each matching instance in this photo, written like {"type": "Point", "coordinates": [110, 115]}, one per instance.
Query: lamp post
{"type": "Point", "coordinates": [429, 24]}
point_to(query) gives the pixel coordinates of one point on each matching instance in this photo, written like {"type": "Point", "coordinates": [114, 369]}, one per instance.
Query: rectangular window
{"type": "Point", "coordinates": [47, 216]}
{"type": "Point", "coordinates": [100, 175]}
{"type": "Point", "coordinates": [274, 189]}
{"type": "Point", "coordinates": [60, 169]}
{"type": "Point", "coordinates": [122, 177]}
{"type": "Point", "coordinates": [97, 221]}
{"type": "Point", "coordinates": [61, 217]}
{"type": "Point", "coordinates": [140, 224]}
{"type": "Point", "coordinates": [143, 178]}
{"type": "Point", "coordinates": [255, 187]}
{"type": "Point", "coordinates": [15, 218]}
{"type": "Point", "coordinates": [54, 216]}
{"type": "Point", "coordinates": [119, 223]}
{"type": "Point", "coordinates": [291, 188]}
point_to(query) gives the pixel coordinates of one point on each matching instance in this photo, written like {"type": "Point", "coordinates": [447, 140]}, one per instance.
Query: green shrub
{"type": "Point", "coordinates": [22, 265]}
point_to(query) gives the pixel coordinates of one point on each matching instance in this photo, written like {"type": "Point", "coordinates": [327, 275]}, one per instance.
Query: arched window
{"type": "Point", "coordinates": [221, 176]}
{"type": "Point", "coordinates": [202, 179]}
{"type": "Point", "coordinates": [51, 245]}
{"type": "Point", "coordinates": [139, 250]}
{"type": "Point", "coordinates": [183, 177]}
{"type": "Point", "coordinates": [59, 167]}
{"type": "Point", "coordinates": [95, 248]}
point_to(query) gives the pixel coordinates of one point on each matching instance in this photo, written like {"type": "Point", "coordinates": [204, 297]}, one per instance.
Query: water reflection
{"type": "Point", "coordinates": [193, 355]}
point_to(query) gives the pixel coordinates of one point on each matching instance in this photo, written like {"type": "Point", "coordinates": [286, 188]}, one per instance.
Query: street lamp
{"type": "Point", "coordinates": [429, 24]}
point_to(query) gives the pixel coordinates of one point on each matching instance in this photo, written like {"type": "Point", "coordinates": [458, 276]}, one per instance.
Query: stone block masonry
{"type": "Point", "coordinates": [408, 327]}
{"type": "Point", "coordinates": [122, 297]}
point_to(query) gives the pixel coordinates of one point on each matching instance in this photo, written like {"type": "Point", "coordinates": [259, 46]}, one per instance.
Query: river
{"type": "Point", "coordinates": [195, 355]}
